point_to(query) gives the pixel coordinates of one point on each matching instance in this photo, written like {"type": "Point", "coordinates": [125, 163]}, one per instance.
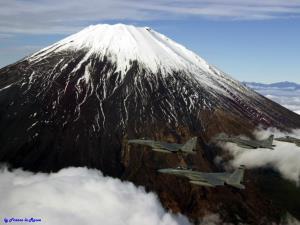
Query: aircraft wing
{"type": "Point", "coordinates": [172, 147]}
{"type": "Point", "coordinates": [214, 181]}
{"type": "Point", "coordinates": [209, 178]}
{"type": "Point", "coordinates": [156, 145]}
{"type": "Point", "coordinates": [247, 146]}
{"type": "Point", "coordinates": [201, 183]}
{"type": "Point", "coordinates": [149, 143]}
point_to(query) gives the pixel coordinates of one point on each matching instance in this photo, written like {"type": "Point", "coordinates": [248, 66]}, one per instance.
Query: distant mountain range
{"type": "Point", "coordinates": [285, 85]}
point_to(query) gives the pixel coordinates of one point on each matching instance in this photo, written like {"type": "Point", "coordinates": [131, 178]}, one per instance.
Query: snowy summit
{"type": "Point", "coordinates": [125, 43]}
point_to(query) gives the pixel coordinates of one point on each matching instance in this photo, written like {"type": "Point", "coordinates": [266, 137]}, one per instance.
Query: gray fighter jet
{"type": "Point", "coordinates": [210, 179]}
{"type": "Point", "coordinates": [289, 139]}
{"type": "Point", "coordinates": [189, 147]}
{"type": "Point", "coordinates": [249, 144]}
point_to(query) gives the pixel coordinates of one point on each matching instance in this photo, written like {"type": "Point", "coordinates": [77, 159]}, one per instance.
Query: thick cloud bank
{"type": "Point", "coordinates": [288, 100]}
{"type": "Point", "coordinates": [285, 158]}
{"type": "Point", "coordinates": [79, 196]}
{"type": "Point", "coordinates": [285, 94]}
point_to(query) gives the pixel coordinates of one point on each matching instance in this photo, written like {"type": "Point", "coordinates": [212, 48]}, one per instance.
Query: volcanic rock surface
{"type": "Point", "coordinates": [78, 101]}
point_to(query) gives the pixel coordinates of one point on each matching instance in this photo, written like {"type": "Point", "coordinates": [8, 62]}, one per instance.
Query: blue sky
{"type": "Point", "coordinates": [250, 40]}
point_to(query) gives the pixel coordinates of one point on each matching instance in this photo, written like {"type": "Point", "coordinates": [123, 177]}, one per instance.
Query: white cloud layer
{"type": "Point", "coordinates": [289, 98]}
{"type": "Point", "coordinates": [83, 196]}
{"type": "Point", "coordinates": [62, 16]}
{"type": "Point", "coordinates": [79, 196]}
{"type": "Point", "coordinates": [285, 158]}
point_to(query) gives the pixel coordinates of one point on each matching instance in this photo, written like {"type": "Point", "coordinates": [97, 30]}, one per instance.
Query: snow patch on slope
{"type": "Point", "coordinates": [6, 87]}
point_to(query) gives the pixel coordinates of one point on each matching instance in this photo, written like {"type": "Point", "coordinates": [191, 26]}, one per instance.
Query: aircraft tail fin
{"type": "Point", "coordinates": [190, 146]}
{"type": "Point", "coordinates": [236, 178]}
{"type": "Point", "coordinates": [270, 139]}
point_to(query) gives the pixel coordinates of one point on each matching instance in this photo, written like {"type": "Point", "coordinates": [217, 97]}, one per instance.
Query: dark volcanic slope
{"type": "Point", "coordinates": [76, 103]}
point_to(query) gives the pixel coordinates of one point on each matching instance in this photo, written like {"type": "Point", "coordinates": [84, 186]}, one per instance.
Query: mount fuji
{"type": "Point", "coordinates": [78, 101]}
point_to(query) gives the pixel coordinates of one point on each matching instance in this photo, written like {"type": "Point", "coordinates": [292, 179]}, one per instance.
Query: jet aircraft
{"type": "Point", "coordinates": [289, 139]}
{"type": "Point", "coordinates": [249, 144]}
{"type": "Point", "coordinates": [209, 179]}
{"type": "Point", "coordinates": [189, 147]}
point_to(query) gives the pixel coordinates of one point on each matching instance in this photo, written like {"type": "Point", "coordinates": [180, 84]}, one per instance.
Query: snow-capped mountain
{"type": "Point", "coordinates": [123, 44]}
{"type": "Point", "coordinates": [76, 102]}
{"type": "Point", "coordinates": [103, 61]}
